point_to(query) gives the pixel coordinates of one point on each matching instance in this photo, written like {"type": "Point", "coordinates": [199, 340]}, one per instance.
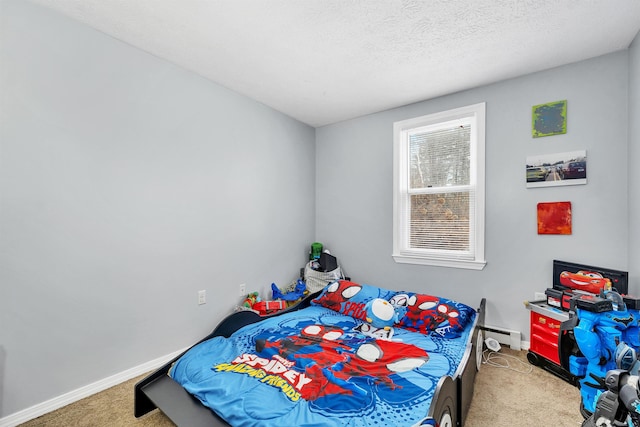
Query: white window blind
{"type": "Point", "coordinates": [439, 189]}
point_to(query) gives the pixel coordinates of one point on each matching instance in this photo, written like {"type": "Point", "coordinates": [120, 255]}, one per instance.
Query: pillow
{"type": "Point", "coordinates": [350, 298]}
{"type": "Point", "coordinates": [428, 313]}
{"type": "Point", "coordinates": [424, 313]}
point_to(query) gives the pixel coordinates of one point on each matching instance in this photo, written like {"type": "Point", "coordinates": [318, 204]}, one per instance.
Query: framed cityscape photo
{"type": "Point", "coordinates": [549, 170]}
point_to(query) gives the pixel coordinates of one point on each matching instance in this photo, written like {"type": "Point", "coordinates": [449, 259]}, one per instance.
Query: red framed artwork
{"type": "Point", "coordinates": [554, 218]}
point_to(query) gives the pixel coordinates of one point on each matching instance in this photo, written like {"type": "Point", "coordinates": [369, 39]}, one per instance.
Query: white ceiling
{"type": "Point", "coordinates": [324, 61]}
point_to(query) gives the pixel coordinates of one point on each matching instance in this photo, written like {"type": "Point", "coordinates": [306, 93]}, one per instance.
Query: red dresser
{"type": "Point", "coordinates": [545, 330]}
{"type": "Point", "coordinates": [549, 345]}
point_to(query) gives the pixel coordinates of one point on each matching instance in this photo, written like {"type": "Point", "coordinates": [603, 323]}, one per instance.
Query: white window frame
{"type": "Point", "coordinates": [402, 253]}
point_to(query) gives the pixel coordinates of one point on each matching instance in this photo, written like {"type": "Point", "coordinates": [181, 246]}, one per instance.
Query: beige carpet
{"type": "Point", "coordinates": [502, 398]}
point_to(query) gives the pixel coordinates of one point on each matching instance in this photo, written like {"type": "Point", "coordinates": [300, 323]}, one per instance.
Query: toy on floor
{"type": "Point", "coordinates": [294, 295]}
{"type": "Point", "coordinates": [264, 308]}
{"type": "Point", "coordinates": [619, 405]}
{"type": "Point", "coordinates": [254, 303]}
{"type": "Point", "coordinates": [605, 338]}
{"type": "Point", "coordinates": [250, 300]}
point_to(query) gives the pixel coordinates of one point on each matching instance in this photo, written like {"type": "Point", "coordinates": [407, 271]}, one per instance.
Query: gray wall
{"type": "Point", "coordinates": [634, 163]}
{"type": "Point", "coordinates": [127, 184]}
{"type": "Point", "coordinates": [354, 189]}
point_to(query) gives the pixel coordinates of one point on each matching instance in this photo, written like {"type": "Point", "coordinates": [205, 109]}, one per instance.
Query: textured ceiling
{"type": "Point", "coordinates": [324, 61]}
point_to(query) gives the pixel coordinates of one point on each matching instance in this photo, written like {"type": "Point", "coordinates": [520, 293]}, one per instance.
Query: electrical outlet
{"type": "Point", "coordinates": [202, 297]}
{"type": "Point", "coordinates": [537, 296]}
{"type": "Point", "coordinates": [243, 290]}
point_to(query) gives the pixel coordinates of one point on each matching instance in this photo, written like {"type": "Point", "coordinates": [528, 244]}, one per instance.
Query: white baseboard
{"type": "Point", "coordinates": [86, 391]}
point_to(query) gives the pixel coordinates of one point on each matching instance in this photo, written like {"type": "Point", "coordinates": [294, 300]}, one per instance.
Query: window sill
{"type": "Point", "coordinates": [451, 263]}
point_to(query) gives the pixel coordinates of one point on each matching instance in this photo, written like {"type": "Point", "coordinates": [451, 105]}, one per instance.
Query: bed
{"type": "Point", "coordinates": [322, 362]}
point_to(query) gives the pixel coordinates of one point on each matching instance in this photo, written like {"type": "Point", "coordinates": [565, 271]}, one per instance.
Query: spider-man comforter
{"type": "Point", "coordinates": [319, 367]}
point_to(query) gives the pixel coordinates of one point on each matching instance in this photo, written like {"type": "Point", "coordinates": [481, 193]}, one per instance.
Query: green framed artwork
{"type": "Point", "coordinates": [549, 119]}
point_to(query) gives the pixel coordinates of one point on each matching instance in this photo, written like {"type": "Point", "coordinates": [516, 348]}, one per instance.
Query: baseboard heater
{"type": "Point", "coordinates": [503, 336]}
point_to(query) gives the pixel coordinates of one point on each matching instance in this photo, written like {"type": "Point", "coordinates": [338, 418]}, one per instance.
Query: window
{"type": "Point", "coordinates": [438, 201]}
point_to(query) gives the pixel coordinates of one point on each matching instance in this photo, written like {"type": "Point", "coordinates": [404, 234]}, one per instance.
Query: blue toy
{"type": "Point", "coordinates": [381, 314]}
{"type": "Point", "coordinates": [608, 340]}
{"type": "Point", "coordinates": [294, 295]}
{"type": "Point", "coordinates": [619, 405]}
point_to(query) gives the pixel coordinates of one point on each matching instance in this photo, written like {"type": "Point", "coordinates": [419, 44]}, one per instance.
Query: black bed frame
{"type": "Point", "coordinates": [452, 396]}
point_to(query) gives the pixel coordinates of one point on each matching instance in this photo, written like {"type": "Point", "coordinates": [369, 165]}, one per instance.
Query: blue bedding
{"type": "Point", "coordinates": [319, 367]}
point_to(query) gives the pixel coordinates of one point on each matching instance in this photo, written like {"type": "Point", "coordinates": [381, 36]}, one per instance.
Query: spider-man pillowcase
{"type": "Point", "coordinates": [350, 298]}
{"type": "Point", "coordinates": [424, 313]}
{"type": "Point", "coordinates": [432, 314]}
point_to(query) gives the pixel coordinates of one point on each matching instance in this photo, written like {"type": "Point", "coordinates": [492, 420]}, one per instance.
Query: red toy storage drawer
{"type": "Point", "coordinates": [545, 333]}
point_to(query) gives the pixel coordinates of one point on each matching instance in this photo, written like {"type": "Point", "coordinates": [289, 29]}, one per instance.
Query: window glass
{"type": "Point", "coordinates": [439, 189]}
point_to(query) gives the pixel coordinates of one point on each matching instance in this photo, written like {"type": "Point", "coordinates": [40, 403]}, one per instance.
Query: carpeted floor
{"type": "Point", "coordinates": [503, 397]}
